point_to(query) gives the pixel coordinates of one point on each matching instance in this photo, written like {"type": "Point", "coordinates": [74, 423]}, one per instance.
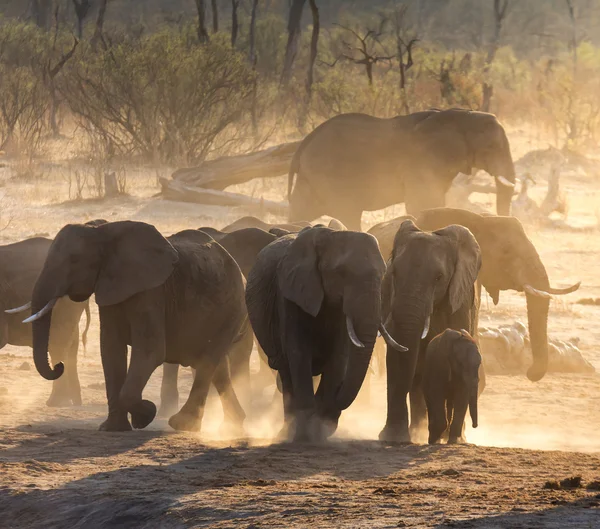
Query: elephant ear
{"type": "Point", "coordinates": [466, 266]}
{"type": "Point", "coordinates": [406, 229]}
{"type": "Point", "coordinates": [335, 224]}
{"type": "Point", "coordinates": [299, 276]}
{"type": "Point", "coordinates": [136, 258]}
{"type": "Point", "coordinates": [244, 246]}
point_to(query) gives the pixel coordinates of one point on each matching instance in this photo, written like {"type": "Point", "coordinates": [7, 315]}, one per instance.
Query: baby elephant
{"type": "Point", "coordinates": [451, 383]}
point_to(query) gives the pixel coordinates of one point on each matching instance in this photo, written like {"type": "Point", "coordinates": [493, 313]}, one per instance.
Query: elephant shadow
{"type": "Point", "coordinates": [76, 441]}
{"type": "Point", "coordinates": [156, 492]}
{"type": "Point", "coordinates": [582, 512]}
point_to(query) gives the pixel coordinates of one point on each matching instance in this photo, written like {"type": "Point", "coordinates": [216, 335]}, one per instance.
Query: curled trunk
{"type": "Point", "coordinates": [41, 333]}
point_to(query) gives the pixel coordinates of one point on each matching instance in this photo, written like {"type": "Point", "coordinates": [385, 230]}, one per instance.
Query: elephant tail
{"type": "Point", "coordinates": [88, 319]}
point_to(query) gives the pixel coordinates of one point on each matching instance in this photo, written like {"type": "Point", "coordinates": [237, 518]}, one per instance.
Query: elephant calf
{"type": "Point", "coordinates": [177, 300]}
{"type": "Point", "coordinates": [314, 301]}
{"type": "Point", "coordinates": [451, 383]}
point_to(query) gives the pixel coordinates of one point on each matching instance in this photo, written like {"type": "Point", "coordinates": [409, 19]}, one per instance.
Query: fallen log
{"type": "Point", "coordinates": [230, 170]}
{"type": "Point", "coordinates": [174, 190]}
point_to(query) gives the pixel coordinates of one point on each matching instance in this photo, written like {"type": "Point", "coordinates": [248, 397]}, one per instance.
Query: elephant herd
{"type": "Point", "coordinates": [315, 298]}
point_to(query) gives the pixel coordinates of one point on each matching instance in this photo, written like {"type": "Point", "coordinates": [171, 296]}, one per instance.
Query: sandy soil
{"type": "Point", "coordinates": [56, 470]}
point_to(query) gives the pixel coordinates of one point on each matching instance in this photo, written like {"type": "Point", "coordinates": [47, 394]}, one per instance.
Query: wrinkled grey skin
{"type": "Point", "coordinates": [354, 162]}
{"type": "Point", "coordinates": [176, 300]}
{"type": "Point", "coordinates": [430, 275]}
{"type": "Point", "coordinates": [509, 262]}
{"type": "Point", "coordinates": [20, 266]}
{"type": "Point", "coordinates": [451, 384]}
{"type": "Point", "coordinates": [243, 245]}
{"type": "Point", "coordinates": [300, 293]}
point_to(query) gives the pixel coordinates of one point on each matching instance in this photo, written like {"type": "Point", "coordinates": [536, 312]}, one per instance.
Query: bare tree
{"type": "Point", "coordinates": [234, 21]}
{"type": "Point", "coordinates": [99, 22]}
{"type": "Point", "coordinates": [500, 12]}
{"type": "Point", "coordinates": [40, 12]}
{"type": "Point", "coordinates": [368, 43]}
{"type": "Point", "coordinates": [215, 15]}
{"type": "Point", "coordinates": [404, 48]}
{"type": "Point", "coordinates": [291, 48]}
{"type": "Point", "coordinates": [202, 33]}
{"type": "Point", "coordinates": [314, 44]}
{"type": "Point", "coordinates": [252, 35]}
{"type": "Point", "coordinates": [82, 8]}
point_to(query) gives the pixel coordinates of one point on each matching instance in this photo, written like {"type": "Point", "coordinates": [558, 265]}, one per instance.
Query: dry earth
{"type": "Point", "coordinates": [56, 470]}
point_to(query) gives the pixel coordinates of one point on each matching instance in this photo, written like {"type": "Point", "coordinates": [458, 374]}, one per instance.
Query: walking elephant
{"type": "Point", "coordinates": [176, 300]}
{"type": "Point", "coordinates": [355, 162]}
{"type": "Point", "coordinates": [314, 301]}
{"type": "Point", "coordinates": [243, 245]}
{"type": "Point", "coordinates": [451, 384]}
{"type": "Point", "coordinates": [509, 262]}
{"type": "Point", "coordinates": [20, 266]}
{"type": "Point", "coordinates": [429, 286]}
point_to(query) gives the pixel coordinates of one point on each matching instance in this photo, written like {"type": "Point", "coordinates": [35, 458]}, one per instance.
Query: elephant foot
{"type": "Point", "coordinates": [185, 422]}
{"type": "Point", "coordinates": [391, 434]}
{"type": "Point", "coordinates": [418, 434]}
{"type": "Point", "coordinates": [142, 414]}
{"type": "Point", "coordinates": [59, 401]}
{"type": "Point", "coordinates": [116, 423]}
{"type": "Point", "coordinates": [309, 428]}
{"type": "Point", "coordinates": [76, 399]}
{"type": "Point", "coordinates": [168, 408]}
{"type": "Point", "coordinates": [457, 441]}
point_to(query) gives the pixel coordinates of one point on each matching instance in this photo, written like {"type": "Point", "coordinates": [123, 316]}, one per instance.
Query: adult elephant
{"type": "Point", "coordinates": [314, 301]}
{"type": "Point", "coordinates": [429, 286]}
{"type": "Point", "coordinates": [20, 266]}
{"type": "Point", "coordinates": [243, 245]}
{"type": "Point", "coordinates": [355, 162]}
{"type": "Point", "coordinates": [509, 262]}
{"type": "Point", "coordinates": [177, 300]}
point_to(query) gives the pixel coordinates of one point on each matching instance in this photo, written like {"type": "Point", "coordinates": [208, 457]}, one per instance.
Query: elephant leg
{"type": "Point", "coordinates": [460, 404]}
{"type": "Point", "coordinates": [189, 417]}
{"type": "Point", "coordinates": [284, 385]}
{"type": "Point", "coordinates": [303, 397]}
{"type": "Point", "coordinates": [422, 193]}
{"type": "Point", "coordinates": [113, 351]}
{"type": "Point", "coordinates": [266, 376]}
{"type": "Point", "coordinates": [169, 394]}
{"type": "Point", "coordinates": [148, 351]}
{"type": "Point", "coordinates": [73, 377]}
{"type": "Point", "coordinates": [232, 409]}
{"type": "Point", "coordinates": [239, 363]}
{"type": "Point", "coordinates": [400, 371]}
{"type": "Point", "coordinates": [418, 414]}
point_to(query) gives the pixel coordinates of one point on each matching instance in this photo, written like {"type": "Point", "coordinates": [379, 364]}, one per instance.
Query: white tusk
{"type": "Point", "coordinates": [352, 333]}
{"type": "Point", "coordinates": [49, 306]}
{"type": "Point", "coordinates": [426, 328]}
{"type": "Point", "coordinates": [22, 308]}
{"type": "Point", "coordinates": [389, 340]}
{"type": "Point", "coordinates": [505, 182]}
{"type": "Point", "coordinates": [535, 292]}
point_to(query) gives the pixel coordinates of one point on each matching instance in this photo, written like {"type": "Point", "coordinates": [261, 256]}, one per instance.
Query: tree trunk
{"type": "Point", "coordinates": [215, 15]}
{"type": "Point", "coordinates": [202, 33]}
{"type": "Point", "coordinates": [40, 12]}
{"type": "Point", "coordinates": [314, 44]}
{"type": "Point", "coordinates": [252, 36]}
{"type": "Point", "coordinates": [500, 8]}
{"type": "Point", "coordinates": [291, 48]}
{"type": "Point", "coordinates": [234, 21]}
{"type": "Point", "coordinates": [99, 23]}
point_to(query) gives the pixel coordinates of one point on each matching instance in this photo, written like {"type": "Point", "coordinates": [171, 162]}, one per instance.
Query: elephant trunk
{"type": "Point", "coordinates": [473, 408]}
{"type": "Point", "coordinates": [41, 304]}
{"type": "Point", "coordinates": [362, 319]}
{"type": "Point", "coordinates": [537, 315]}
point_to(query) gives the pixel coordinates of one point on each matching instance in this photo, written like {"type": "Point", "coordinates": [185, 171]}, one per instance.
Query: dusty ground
{"type": "Point", "coordinates": [56, 470]}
